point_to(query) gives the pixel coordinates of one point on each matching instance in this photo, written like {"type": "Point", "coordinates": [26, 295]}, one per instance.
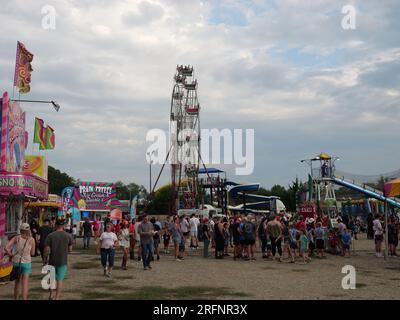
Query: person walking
{"type": "Point", "coordinates": [146, 232]}
{"type": "Point", "coordinates": [123, 238]}
{"type": "Point", "coordinates": [156, 238]}
{"type": "Point", "coordinates": [219, 239]}
{"type": "Point", "coordinates": [87, 233]}
{"type": "Point", "coordinates": [378, 236]}
{"type": "Point", "coordinates": [304, 246]}
{"type": "Point", "coordinates": [206, 236]}
{"type": "Point", "coordinates": [43, 233]}
{"type": "Point", "coordinates": [137, 237]}
{"type": "Point", "coordinates": [320, 240]}
{"type": "Point", "coordinates": [393, 237]}
{"type": "Point", "coordinates": [96, 229]}
{"type": "Point", "coordinates": [262, 236]}
{"type": "Point", "coordinates": [106, 249]}
{"type": "Point", "coordinates": [177, 235]}
{"type": "Point", "coordinates": [57, 246]}
{"type": "Point", "coordinates": [250, 230]}
{"type": "Point", "coordinates": [24, 245]}
{"type": "Point", "coordinates": [274, 229]}
{"type": "Point", "coordinates": [194, 223]}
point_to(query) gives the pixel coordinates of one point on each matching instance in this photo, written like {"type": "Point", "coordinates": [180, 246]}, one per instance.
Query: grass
{"type": "Point", "coordinates": [161, 293]}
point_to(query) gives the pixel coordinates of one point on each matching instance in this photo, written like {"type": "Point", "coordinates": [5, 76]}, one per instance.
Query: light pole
{"type": "Point", "coordinates": [150, 162]}
{"type": "Point", "coordinates": [55, 104]}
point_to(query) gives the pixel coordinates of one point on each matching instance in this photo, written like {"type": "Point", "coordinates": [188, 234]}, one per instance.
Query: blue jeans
{"type": "Point", "coordinates": [206, 243]}
{"type": "Point", "coordinates": [107, 255]}
{"type": "Point", "coordinates": [86, 241]}
{"type": "Point", "coordinates": [147, 253]}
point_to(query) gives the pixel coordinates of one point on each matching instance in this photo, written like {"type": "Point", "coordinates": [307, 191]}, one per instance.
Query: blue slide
{"type": "Point", "coordinates": [365, 190]}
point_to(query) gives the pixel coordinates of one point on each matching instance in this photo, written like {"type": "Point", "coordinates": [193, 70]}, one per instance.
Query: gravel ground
{"type": "Point", "coordinates": [260, 279]}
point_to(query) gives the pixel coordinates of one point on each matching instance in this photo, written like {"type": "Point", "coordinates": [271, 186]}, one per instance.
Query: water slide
{"type": "Point", "coordinates": [240, 191]}
{"type": "Point", "coordinates": [369, 191]}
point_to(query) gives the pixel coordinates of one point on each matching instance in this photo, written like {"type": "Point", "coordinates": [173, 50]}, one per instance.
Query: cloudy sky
{"type": "Point", "coordinates": [286, 69]}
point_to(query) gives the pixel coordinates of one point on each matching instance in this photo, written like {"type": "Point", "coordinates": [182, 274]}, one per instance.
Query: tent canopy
{"type": "Point", "coordinates": [392, 188]}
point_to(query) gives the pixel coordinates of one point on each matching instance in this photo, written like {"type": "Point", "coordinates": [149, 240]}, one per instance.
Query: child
{"type": "Point", "coordinates": [166, 238]}
{"type": "Point", "coordinates": [346, 239]}
{"type": "Point", "coordinates": [293, 233]}
{"type": "Point", "coordinates": [74, 232]}
{"type": "Point", "coordinates": [333, 242]}
{"type": "Point", "coordinates": [319, 239]}
{"type": "Point", "coordinates": [311, 242]}
{"type": "Point", "coordinates": [304, 246]}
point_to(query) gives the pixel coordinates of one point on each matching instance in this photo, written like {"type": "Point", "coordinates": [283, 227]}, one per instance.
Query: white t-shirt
{"type": "Point", "coordinates": [184, 226]}
{"type": "Point", "coordinates": [108, 239]}
{"type": "Point", "coordinates": [194, 224]}
{"type": "Point", "coordinates": [377, 226]}
{"type": "Point", "coordinates": [137, 235]}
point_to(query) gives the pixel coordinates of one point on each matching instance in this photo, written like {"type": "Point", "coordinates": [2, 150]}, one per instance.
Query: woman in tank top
{"type": "Point", "coordinates": [21, 248]}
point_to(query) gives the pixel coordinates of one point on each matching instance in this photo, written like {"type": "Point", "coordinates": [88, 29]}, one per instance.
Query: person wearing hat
{"type": "Point", "coordinates": [57, 246]}
{"type": "Point", "coordinates": [24, 249]}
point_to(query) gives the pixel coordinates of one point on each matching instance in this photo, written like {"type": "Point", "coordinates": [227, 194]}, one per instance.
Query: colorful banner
{"type": "Point", "coordinates": [94, 195]}
{"type": "Point", "coordinates": [39, 135]}
{"type": "Point", "coordinates": [36, 165]}
{"type": "Point", "coordinates": [50, 138]}
{"type": "Point", "coordinates": [4, 125]}
{"type": "Point", "coordinates": [66, 198]}
{"type": "Point", "coordinates": [23, 69]}
{"type": "Point", "coordinates": [308, 210]}
{"type": "Point", "coordinates": [13, 141]}
{"type": "Point", "coordinates": [17, 184]}
{"type": "Point", "coordinates": [133, 207]}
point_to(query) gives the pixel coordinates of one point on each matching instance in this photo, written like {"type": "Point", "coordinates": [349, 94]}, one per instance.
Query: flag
{"type": "Point", "coordinates": [23, 68]}
{"type": "Point", "coordinates": [39, 135]}
{"type": "Point", "coordinates": [50, 138]}
{"type": "Point", "coordinates": [133, 207]}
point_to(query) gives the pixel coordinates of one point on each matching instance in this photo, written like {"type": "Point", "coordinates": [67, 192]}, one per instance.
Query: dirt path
{"type": "Point", "coordinates": [196, 277]}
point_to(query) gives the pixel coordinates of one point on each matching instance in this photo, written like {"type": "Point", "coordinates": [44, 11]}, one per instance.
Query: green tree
{"type": "Point", "coordinates": [58, 180]}
{"type": "Point", "coordinates": [161, 200]}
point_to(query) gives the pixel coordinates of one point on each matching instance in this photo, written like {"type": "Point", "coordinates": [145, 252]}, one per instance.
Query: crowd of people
{"type": "Point", "coordinates": [279, 236]}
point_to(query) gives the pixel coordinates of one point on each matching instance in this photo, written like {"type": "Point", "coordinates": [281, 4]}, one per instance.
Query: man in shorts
{"type": "Point", "coordinates": [58, 244]}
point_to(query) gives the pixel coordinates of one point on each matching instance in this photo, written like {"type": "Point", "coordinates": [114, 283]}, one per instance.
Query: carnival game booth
{"type": "Point", "coordinates": [45, 209]}
{"type": "Point", "coordinates": [17, 185]}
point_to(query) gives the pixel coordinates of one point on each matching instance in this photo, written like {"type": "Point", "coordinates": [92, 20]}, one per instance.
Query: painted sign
{"type": "Point", "coordinates": [308, 210]}
{"type": "Point", "coordinates": [94, 195]}
{"type": "Point", "coordinates": [36, 165]}
{"type": "Point", "coordinates": [17, 184]}
{"type": "Point", "coordinates": [66, 198]}
{"type": "Point", "coordinates": [14, 138]}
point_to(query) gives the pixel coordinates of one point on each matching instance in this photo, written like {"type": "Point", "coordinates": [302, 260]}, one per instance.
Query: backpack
{"type": "Point", "coordinates": [248, 229]}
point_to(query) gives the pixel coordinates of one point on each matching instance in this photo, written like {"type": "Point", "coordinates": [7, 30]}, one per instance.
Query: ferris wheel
{"type": "Point", "coordinates": [184, 139]}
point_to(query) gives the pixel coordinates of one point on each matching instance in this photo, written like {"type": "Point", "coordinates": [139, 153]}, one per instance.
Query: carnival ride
{"type": "Point", "coordinates": [185, 139]}
{"type": "Point", "coordinates": [326, 176]}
